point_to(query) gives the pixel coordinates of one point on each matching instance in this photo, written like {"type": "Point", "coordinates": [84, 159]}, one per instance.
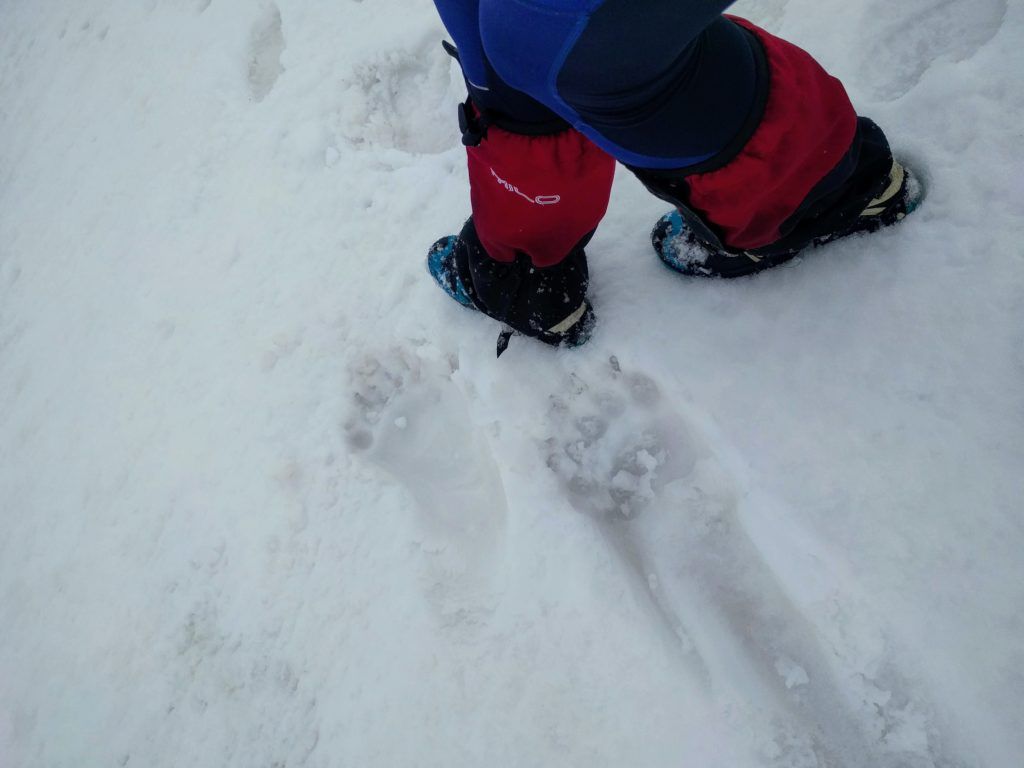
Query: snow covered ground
{"type": "Point", "coordinates": [268, 499]}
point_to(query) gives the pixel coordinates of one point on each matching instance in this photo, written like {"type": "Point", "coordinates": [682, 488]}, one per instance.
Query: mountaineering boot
{"type": "Point", "coordinates": [682, 250]}
{"type": "Point", "coordinates": [545, 303]}
{"type": "Point", "coordinates": [442, 267]}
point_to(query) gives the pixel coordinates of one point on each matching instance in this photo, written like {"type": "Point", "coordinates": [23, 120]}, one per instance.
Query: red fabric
{"type": "Point", "coordinates": [808, 125]}
{"type": "Point", "coordinates": [537, 194]}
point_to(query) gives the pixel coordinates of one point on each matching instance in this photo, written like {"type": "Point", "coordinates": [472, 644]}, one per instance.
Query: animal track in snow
{"type": "Point", "coordinates": [399, 99]}
{"type": "Point", "coordinates": [898, 51]}
{"type": "Point", "coordinates": [265, 60]}
{"type": "Point", "coordinates": [612, 465]}
{"type": "Point", "coordinates": [411, 419]}
{"type": "Point", "coordinates": [674, 514]}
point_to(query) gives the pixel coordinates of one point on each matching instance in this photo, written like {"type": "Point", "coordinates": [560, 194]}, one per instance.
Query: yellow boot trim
{"type": "Point", "coordinates": [896, 177]}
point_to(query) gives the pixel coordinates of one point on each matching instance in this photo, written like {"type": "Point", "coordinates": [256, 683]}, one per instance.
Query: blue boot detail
{"type": "Point", "coordinates": [442, 267]}
{"type": "Point", "coordinates": [678, 249]}
{"type": "Point", "coordinates": [667, 238]}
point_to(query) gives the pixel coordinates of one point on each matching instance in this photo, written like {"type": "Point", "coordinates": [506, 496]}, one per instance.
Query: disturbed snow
{"type": "Point", "coordinates": [268, 498]}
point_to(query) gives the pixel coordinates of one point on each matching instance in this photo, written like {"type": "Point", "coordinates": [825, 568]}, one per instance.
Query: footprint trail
{"type": "Point", "coordinates": [674, 513]}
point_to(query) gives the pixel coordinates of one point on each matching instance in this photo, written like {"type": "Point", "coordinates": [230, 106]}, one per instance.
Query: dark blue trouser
{"type": "Point", "coordinates": [655, 83]}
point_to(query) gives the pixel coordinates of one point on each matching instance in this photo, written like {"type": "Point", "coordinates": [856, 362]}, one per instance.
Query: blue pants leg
{"type": "Point", "coordinates": [685, 85]}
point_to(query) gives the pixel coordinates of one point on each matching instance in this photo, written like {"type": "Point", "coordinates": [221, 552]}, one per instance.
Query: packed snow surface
{"type": "Point", "coordinates": [268, 499]}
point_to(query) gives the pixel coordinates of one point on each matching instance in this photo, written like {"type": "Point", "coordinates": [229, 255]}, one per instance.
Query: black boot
{"type": "Point", "coordinates": [683, 251]}
{"type": "Point", "coordinates": [548, 304]}
{"type": "Point", "coordinates": [867, 190]}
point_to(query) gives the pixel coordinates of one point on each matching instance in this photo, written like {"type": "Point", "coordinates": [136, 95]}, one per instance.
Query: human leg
{"type": "Point", "coordinates": [538, 190]}
{"type": "Point", "coordinates": [754, 143]}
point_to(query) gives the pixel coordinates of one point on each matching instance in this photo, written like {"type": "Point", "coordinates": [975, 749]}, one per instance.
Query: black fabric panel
{"type": "Point", "coordinates": [528, 299]}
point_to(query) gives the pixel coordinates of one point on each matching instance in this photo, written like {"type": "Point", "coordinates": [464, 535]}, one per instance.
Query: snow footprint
{"type": "Point", "coordinates": [613, 464]}
{"type": "Point", "coordinates": [411, 419]}
{"type": "Point", "coordinates": [400, 99]}
{"type": "Point", "coordinates": [903, 40]}
{"type": "Point", "coordinates": [674, 513]}
{"type": "Point", "coordinates": [265, 59]}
